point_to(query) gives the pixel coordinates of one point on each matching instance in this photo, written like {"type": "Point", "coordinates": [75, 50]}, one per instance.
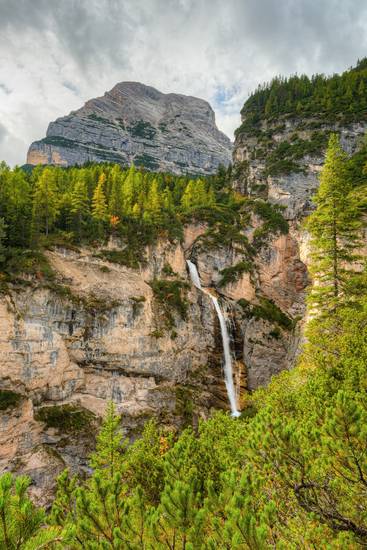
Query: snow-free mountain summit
{"type": "Point", "coordinates": [137, 123]}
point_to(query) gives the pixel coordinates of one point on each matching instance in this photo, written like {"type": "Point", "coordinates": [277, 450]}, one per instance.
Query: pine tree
{"type": "Point", "coordinates": [94, 512]}
{"type": "Point", "coordinates": [17, 207]}
{"type": "Point", "coordinates": [146, 454]}
{"type": "Point", "coordinates": [335, 229]}
{"type": "Point", "coordinates": [110, 444]}
{"type": "Point", "coordinates": [179, 520]}
{"type": "Point", "coordinates": [22, 524]}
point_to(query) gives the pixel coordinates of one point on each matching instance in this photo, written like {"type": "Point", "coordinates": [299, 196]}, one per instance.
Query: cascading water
{"type": "Point", "coordinates": [228, 373]}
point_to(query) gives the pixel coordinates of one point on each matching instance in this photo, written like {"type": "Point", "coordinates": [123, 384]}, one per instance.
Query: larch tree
{"type": "Point", "coordinates": [99, 204]}
{"type": "Point", "coordinates": [45, 202]}
{"type": "Point", "coordinates": [80, 203]}
{"type": "Point", "coordinates": [115, 203]}
{"type": "Point", "coordinates": [154, 202]}
{"type": "Point", "coordinates": [129, 191]}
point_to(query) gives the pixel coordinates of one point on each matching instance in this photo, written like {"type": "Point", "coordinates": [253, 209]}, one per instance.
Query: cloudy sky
{"type": "Point", "coordinates": [56, 54]}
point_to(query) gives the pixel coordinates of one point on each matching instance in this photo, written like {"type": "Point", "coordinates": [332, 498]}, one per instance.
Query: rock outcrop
{"type": "Point", "coordinates": [137, 123]}
{"type": "Point", "coordinates": [269, 161]}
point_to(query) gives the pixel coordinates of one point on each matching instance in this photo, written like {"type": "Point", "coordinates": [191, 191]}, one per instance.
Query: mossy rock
{"type": "Point", "coordinates": [66, 418]}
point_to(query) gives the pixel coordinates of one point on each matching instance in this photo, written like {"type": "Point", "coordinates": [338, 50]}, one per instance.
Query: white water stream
{"type": "Point", "coordinates": [227, 367]}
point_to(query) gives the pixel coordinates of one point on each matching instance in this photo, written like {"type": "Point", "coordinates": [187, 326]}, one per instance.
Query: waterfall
{"type": "Point", "coordinates": [227, 367]}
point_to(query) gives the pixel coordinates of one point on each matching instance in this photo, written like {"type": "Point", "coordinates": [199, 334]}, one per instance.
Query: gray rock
{"type": "Point", "coordinates": [293, 191]}
{"type": "Point", "coordinates": [137, 123]}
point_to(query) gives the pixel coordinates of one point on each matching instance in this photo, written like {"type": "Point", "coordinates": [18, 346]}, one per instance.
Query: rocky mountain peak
{"type": "Point", "coordinates": [137, 123]}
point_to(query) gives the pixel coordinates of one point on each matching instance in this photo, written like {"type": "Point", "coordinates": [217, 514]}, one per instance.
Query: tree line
{"type": "Point", "coordinates": [337, 97]}
{"type": "Point", "coordinates": [86, 205]}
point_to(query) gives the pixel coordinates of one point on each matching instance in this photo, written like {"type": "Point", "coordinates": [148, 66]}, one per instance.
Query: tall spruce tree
{"type": "Point", "coordinates": [335, 228]}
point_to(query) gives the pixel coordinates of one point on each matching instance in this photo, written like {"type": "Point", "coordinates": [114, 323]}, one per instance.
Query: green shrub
{"type": "Point", "coordinates": [233, 273]}
{"type": "Point", "coordinates": [283, 159]}
{"type": "Point", "coordinates": [268, 310]}
{"type": "Point", "coordinates": [168, 271]}
{"type": "Point", "coordinates": [129, 257]}
{"type": "Point", "coordinates": [28, 262]}
{"type": "Point", "coordinates": [142, 129]}
{"type": "Point", "coordinates": [171, 296]}
{"type": "Point", "coordinates": [273, 221]}
{"type": "Point", "coordinates": [9, 399]}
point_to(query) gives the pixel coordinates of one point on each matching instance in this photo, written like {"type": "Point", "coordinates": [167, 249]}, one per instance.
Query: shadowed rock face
{"type": "Point", "coordinates": [137, 123]}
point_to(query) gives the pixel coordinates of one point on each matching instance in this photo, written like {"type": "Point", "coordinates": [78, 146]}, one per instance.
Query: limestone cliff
{"type": "Point", "coordinates": [280, 160]}
{"type": "Point", "coordinates": [137, 123]}
{"type": "Point", "coordinates": [99, 333]}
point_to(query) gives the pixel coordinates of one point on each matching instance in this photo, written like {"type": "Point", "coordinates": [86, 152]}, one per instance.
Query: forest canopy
{"type": "Point", "coordinates": [87, 205]}
{"type": "Point", "coordinates": [327, 98]}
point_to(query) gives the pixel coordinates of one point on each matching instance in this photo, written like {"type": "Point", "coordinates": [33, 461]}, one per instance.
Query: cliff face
{"type": "Point", "coordinates": [280, 160]}
{"type": "Point", "coordinates": [137, 123]}
{"type": "Point", "coordinates": [100, 332]}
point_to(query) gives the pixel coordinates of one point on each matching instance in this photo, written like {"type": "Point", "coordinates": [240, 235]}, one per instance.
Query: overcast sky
{"type": "Point", "coordinates": [56, 54]}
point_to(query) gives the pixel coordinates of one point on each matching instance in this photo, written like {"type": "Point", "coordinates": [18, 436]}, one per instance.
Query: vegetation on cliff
{"type": "Point", "coordinates": [289, 473]}
{"type": "Point", "coordinates": [85, 206]}
{"type": "Point", "coordinates": [334, 98]}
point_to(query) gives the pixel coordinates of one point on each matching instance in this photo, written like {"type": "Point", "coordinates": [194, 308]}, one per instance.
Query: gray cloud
{"type": "Point", "coordinates": [3, 132]}
{"type": "Point", "coordinates": [56, 55]}
{"type": "Point", "coordinates": [5, 89]}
